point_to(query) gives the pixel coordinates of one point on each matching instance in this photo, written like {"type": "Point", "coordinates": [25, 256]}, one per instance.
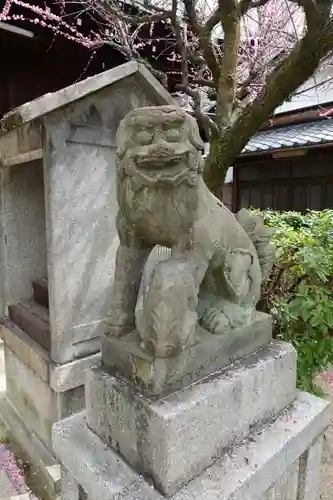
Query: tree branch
{"type": "Point", "coordinates": [113, 9]}
{"type": "Point", "coordinates": [203, 34]}
{"type": "Point", "coordinates": [181, 43]}
{"type": "Point", "coordinates": [281, 83]}
{"type": "Point", "coordinates": [246, 5]}
{"type": "Point", "coordinates": [213, 20]}
{"type": "Point", "coordinates": [208, 125]}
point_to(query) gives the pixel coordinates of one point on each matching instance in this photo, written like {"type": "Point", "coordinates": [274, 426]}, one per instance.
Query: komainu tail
{"type": "Point", "coordinates": [261, 235]}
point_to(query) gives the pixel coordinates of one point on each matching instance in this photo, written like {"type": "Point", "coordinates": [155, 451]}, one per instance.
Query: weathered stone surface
{"type": "Point", "coordinates": [250, 470]}
{"type": "Point", "coordinates": [47, 227]}
{"type": "Point", "coordinates": [33, 398]}
{"type": "Point", "coordinates": [52, 101]}
{"type": "Point", "coordinates": [70, 489]}
{"type": "Point", "coordinates": [159, 377]}
{"type": "Point", "coordinates": [71, 375]}
{"type": "Point", "coordinates": [286, 487]}
{"type": "Point", "coordinates": [80, 181]}
{"type": "Point", "coordinates": [31, 353]}
{"type": "Point", "coordinates": [175, 438]}
{"type": "Point", "coordinates": [218, 261]}
{"type": "Point", "coordinates": [41, 460]}
{"type": "Point", "coordinates": [73, 440]}
{"type": "Point", "coordinates": [23, 246]}
{"type": "Point", "coordinates": [61, 378]}
{"type": "Point", "coordinates": [309, 473]}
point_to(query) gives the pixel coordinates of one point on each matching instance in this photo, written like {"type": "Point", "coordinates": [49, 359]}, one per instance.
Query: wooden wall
{"type": "Point", "coordinates": [298, 183]}
{"type": "Point", "coordinates": [31, 67]}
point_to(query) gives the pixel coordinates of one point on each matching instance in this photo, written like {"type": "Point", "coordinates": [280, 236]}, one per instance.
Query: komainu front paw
{"type": "Point", "coordinates": [215, 321]}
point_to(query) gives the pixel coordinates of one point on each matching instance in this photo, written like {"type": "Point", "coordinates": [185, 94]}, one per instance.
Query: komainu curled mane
{"type": "Point", "coordinates": [217, 260]}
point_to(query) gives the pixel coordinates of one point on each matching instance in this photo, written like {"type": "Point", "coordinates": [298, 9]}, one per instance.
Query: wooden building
{"type": "Point", "coordinates": [288, 167]}
{"type": "Point", "coordinates": [34, 60]}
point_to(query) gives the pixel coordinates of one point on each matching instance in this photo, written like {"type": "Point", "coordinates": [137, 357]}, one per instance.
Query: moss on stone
{"type": "Point", "coordinates": [9, 122]}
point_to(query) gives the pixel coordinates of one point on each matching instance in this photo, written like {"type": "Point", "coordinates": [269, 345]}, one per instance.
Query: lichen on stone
{"type": "Point", "coordinates": [10, 122]}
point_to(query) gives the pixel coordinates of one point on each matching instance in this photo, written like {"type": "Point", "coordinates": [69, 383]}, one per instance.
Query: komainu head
{"type": "Point", "coordinates": [159, 145]}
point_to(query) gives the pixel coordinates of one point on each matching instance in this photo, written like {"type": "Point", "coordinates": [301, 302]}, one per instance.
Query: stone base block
{"type": "Point", "coordinates": [173, 439]}
{"type": "Point", "coordinates": [42, 462]}
{"type": "Point", "coordinates": [33, 398]}
{"type": "Point", "coordinates": [39, 390]}
{"type": "Point", "coordinates": [159, 377]}
{"type": "Point", "coordinates": [280, 460]}
{"type": "Point", "coordinates": [38, 394]}
{"type": "Point", "coordinates": [59, 377]}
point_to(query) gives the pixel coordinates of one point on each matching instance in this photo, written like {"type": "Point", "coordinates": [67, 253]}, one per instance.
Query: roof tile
{"type": "Point", "coordinates": [302, 134]}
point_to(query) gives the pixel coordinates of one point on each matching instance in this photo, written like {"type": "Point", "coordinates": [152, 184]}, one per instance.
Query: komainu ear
{"type": "Point", "coordinates": [195, 138]}
{"type": "Point", "coordinates": [122, 139]}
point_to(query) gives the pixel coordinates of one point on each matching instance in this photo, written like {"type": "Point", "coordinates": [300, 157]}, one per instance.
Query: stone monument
{"type": "Point", "coordinates": [192, 399]}
{"type": "Point", "coordinates": [58, 245]}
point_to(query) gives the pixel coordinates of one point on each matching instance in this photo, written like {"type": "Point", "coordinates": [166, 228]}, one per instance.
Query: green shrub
{"type": "Point", "coordinates": [299, 293]}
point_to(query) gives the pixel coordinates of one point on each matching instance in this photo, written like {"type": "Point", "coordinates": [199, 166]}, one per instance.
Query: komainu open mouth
{"type": "Point", "coordinates": [160, 162]}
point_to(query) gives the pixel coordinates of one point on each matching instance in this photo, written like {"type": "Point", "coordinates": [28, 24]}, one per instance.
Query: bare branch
{"type": "Point", "coordinates": [207, 124]}
{"type": "Point", "coordinates": [203, 34]}
{"type": "Point", "coordinates": [113, 9]}
{"type": "Point", "coordinates": [246, 5]}
{"type": "Point", "coordinates": [281, 83]}
{"type": "Point", "coordinates": [181, 43]}
{"type": "Point", "coordinates": [316, 12]}
{"type": "Point", "coordinates": [213, 20]}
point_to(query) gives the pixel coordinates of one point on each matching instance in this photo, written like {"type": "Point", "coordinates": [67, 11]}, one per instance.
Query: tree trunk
{"type": "Point", "coordinates": [280, 84]}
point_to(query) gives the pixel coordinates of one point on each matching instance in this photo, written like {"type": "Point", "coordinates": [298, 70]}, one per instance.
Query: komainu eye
{"type": "Point", "coordinates": [143, 137]}
{"type": "Point", "coordinates": [173, 134]}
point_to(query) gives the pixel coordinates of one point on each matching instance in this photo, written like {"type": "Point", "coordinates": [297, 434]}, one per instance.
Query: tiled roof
{"type": "Point", "coordinates": [292, 136]}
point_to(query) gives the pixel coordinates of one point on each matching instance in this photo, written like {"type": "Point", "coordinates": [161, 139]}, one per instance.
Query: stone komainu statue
{"type": "Point", "coordinates": [217, 261]}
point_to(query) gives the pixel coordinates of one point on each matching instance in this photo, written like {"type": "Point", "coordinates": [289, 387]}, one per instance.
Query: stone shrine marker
{"type": "Point", "coordinates": [192, 400]}
{"type": "Point", "coordinates": [58, 244]}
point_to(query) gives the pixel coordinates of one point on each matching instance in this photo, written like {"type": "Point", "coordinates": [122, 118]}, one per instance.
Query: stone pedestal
{"type": "Point", "coordinates": [57, 217]}
{"type": "Point", "coordinates": [242, 432]}
{"type": "Point", "coordinates": [156, 377]}
{"type": "Point", "coordinates": [175, 438]}
{"type": "Point", "coordinates": [280, 460]}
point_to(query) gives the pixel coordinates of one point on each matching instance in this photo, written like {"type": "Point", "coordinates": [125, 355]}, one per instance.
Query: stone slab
{"type": "Point", "coordinates": [286, 487]}
{"type": "Point", "coordinates": [31, 353]}
{"type": "Point", "coordinates": [159, 377]}
{"type": "Point", "coordinates": [52, 101]}
{"type": "Point", "coordinates": [309, 473]}
{"type": "Point", "coordinates": [71, 375]}
{"type": "Point", "coordinates": [23, 222]}
{"type": "Point", "coordinates": [34, 399]}
{"type": "Point", "coordinates": [61, 378]}
{"type": "Point", "coordinates": [80, 182]}
{"type": "Point", "coordinates": [42, 461]}
{"type": "Point", "coordinates": [69, 487]}
{"type": "Point", "coordinates": [209, 415]}
{"type": "Point", "coordinates": [248, 471]}
{"type": "Point", "coordinates": [16, 146]}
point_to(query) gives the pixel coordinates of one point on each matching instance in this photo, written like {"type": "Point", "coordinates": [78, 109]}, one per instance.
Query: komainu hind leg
{"type": "Point", "coordinates": [218, 316]}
